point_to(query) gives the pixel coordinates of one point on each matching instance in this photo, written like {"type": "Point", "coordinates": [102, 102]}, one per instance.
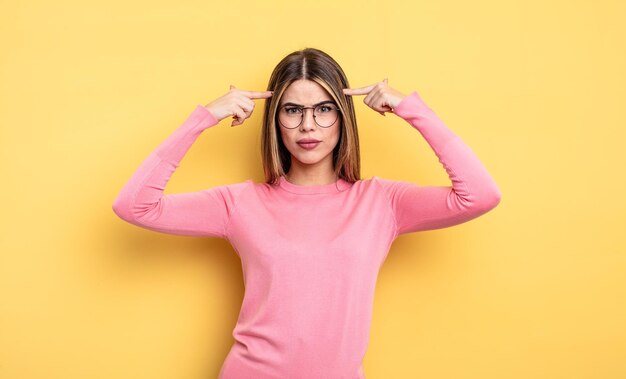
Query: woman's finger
{"type": "Point", "coordinates": [371, 95]}
{"type": "Point", "coordinates": [377, 101]}
{"type": "Point", "coordinates": [358, 91]}
{"type": "Point", "coordinates": [258, 94]}
{"type": "Point", "coordinates": [245, 103]}
{"type": "Point", "coordinates": [239, 115]}
{"type": "Point", "coordinates": [254, 94]}
{"type": "Point", "coordinates": [382, 101]}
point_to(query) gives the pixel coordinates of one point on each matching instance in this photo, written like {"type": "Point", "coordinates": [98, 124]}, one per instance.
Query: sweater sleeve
{"type": "Point", "coordinates": [142, 201]}
{"type": "Point", "coordinates": [473, 191]}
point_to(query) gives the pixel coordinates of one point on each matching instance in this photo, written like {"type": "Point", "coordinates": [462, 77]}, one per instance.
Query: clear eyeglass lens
{"type": "Point", "coordinates": [291, 116]}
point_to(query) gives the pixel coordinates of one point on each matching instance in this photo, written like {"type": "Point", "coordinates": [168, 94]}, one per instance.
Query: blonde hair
{"type": "Point", "coordinates": [316, 65]}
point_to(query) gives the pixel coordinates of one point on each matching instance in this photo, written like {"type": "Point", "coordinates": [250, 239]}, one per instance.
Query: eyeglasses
{"type": "Point", "coordinates": [325, 114]}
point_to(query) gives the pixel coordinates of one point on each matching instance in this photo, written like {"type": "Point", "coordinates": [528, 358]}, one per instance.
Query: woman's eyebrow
{"type": "Point", "coordinates": [315, 105]}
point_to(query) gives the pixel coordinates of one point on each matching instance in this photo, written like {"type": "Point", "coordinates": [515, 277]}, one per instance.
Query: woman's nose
{"type": "Point", "coordinates": [308, 120]}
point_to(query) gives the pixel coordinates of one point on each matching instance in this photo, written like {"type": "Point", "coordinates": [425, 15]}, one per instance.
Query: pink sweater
{"type": "Point", "coordinates": [310, 255]}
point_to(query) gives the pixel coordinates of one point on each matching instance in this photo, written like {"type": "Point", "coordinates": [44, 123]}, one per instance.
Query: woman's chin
{"type": "Point", "coordinates": [308, 159]}
{"type": "Point", "coordinates": [308, 162]}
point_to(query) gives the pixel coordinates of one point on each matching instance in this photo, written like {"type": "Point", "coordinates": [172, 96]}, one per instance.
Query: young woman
{"type": "Point", "coordinates": [313, 236]}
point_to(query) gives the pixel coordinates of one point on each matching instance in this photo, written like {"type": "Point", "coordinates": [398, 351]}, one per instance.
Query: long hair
{"type": "Point", "coordinates": [315, 65]}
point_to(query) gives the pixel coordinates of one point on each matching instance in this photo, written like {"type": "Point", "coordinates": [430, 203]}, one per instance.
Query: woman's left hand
{"type": "Point", "coordinates": [380, 97]}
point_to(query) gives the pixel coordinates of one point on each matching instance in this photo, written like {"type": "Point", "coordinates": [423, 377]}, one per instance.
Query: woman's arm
{"type": "Point", "coordinates": [142, 202]}
{"type": "Point", "coordinates": [202, 213]}
{"type": "Point", "coordinates": [473, 191]}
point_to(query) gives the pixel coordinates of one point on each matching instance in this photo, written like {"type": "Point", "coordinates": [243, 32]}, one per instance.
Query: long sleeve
{"type": "Point", "coordinates": [142, 201]}
{"type": "Point", "coordinates": [473, 191]}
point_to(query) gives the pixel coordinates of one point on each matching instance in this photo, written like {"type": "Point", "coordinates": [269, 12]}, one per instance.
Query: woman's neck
{"type": "Point", "coordinates": [310, 178]}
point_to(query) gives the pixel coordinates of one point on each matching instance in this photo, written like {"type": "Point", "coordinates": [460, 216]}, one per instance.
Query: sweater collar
{"type": "Point", "coordinates": [339, 186]}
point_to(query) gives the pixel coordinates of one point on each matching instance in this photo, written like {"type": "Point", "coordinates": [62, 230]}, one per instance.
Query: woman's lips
{"type": "Point", "coordinates": [309, 145]}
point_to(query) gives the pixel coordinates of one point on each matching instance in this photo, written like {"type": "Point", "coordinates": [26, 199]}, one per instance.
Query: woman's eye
{"type": "Point", "coordinates": [293, 110]}
{"type": "Point", "coordinates": [325, 108]}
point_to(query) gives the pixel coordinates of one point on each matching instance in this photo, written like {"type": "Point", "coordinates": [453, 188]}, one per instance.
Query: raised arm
{"type": "Point", "coordinates": [473, 191]}
{"type": "Point", "coordinates": [142, 201]}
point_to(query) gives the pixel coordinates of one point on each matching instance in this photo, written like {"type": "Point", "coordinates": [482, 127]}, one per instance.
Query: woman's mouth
{"type": "Point", "coordinates": [309, 145]}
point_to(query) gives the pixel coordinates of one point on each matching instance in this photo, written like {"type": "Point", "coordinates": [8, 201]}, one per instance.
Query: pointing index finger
{"type": "Point", "coordinates": [258, 94]}
{"type": "Point", "coordinates": [358, 91]}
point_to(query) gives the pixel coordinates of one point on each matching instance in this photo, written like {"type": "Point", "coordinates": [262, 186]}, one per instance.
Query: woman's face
{"type": "Point", "coordinates": [308, 93]}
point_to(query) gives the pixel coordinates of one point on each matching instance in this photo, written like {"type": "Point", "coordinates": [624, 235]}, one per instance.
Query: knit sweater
{"type": "Point", "coordinates": [310, 255]}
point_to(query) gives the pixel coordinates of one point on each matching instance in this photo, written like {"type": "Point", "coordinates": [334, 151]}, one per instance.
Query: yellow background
{"type": "Point", "coordinates": [533, 289]}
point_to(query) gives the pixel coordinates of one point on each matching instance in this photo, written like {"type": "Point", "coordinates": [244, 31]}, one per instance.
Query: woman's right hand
{"type": "Point", "coordinates": [237, 103]}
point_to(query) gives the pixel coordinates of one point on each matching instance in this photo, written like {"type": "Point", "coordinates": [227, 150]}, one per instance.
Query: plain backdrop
{"type": "Point", "coordinates": [533, 289]}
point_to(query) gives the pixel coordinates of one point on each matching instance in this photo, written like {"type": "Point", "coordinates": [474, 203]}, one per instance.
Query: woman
{"type": "Point", "coordinates": [313, 236]}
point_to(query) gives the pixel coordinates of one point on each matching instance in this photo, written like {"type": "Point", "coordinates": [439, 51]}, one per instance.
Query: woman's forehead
{"type": "Point", "coordinates": [305, 92]}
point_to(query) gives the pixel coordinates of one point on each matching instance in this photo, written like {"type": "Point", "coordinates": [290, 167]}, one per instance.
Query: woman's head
{"type": "Point", "coordinates": [308, 77]}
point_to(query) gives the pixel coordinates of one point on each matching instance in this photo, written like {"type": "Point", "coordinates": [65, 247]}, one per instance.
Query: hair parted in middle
{"type": "Point", "coordinates": [316, 65]}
